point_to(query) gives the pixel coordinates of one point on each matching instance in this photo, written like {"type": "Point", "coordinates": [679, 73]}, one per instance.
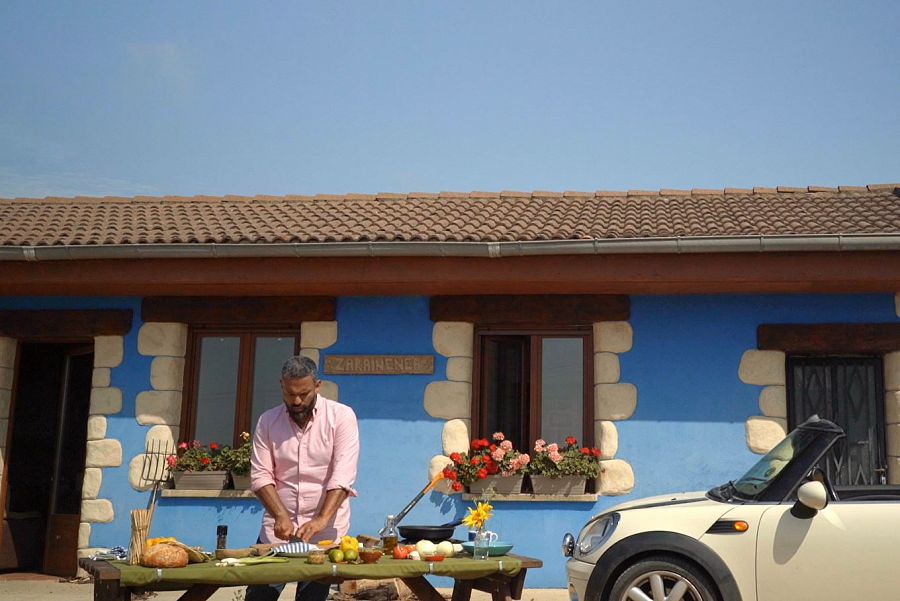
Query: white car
{"type": "Point", "coordinates": [778, 533]}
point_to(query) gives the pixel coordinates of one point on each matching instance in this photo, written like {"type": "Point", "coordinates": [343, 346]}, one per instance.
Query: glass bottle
{"type": "Point", "coordinates": [389, 535]}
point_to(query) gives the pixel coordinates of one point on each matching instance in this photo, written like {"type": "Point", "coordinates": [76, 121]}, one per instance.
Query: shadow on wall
{"type": "Point", "coordinates": [687, 350]}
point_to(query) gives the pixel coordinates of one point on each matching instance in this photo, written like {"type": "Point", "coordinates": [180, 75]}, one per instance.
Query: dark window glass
{"type": "Point", "coordinates": [534, 386]}
{"type": "Point", "coordinates": [234, 377]}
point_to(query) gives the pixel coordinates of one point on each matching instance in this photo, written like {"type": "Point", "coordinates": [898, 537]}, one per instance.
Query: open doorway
{"type": "Point", "coordinates": [46, 457]}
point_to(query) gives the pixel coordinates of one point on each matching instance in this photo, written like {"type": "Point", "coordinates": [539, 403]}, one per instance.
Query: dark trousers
{"type": "Point", "coordinates": [306, 591]}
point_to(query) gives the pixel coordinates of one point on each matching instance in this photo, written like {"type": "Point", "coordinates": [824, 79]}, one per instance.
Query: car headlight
{"type": "Point", "coordinates": [595, 533]}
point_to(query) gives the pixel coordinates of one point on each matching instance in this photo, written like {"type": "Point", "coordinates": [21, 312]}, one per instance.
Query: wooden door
{"type": "Point", "coordinates": [61, 543]}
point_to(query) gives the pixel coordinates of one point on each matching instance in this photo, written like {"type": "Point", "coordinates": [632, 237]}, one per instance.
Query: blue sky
{"type": "Point", "coordinates": [190, 98]}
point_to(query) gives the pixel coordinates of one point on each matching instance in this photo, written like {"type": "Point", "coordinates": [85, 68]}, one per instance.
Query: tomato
{"type": "Point", "coordinates": [401, 552]}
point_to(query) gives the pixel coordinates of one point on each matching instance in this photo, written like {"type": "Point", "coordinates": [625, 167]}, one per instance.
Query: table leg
{"type": "Point", "coordinates": [109, 590]}
{"type": "Point", "coordinates": [422, 589]}
{"type": "Point", "coordinates": [501, 593]}
{"type": "Point", "coordinates": [199, 592]}
{"type": "Point", "coordinates": [517, 584]}
{"type": "Point", "coordinates": [462, 590]}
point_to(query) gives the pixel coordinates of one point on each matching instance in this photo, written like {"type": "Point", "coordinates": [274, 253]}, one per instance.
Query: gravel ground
{"type": "Point", "coordinates": [33, 587]}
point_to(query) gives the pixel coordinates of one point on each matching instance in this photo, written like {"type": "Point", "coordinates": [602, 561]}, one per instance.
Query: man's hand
{"type": "Point", "coordinates": [284, 528]}
{"type": "Point", "coordinates": [311, 528]}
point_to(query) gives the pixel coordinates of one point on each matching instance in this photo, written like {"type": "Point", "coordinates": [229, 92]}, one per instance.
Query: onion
{"type": "Point", "coordinates": [426, 548]}
{"type": "Point", "coordinates": [445, 548]}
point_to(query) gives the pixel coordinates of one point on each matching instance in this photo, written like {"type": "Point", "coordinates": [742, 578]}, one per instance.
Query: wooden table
{"type": "Point", "coordinates": [502, 587]}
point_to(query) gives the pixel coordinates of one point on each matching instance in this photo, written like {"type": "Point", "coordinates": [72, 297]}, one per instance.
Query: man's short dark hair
{"type": "Point", "coordinates": [299, 367]}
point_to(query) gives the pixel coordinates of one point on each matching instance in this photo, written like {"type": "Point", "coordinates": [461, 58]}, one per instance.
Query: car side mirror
{"type": "Point", "coordinates": [811, 497]}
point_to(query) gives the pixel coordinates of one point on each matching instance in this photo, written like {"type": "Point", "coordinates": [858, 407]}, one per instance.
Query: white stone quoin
{"type": "Point", "coordinates": [96, 427]}
{"type": "Point", "coordinates": [318, 334]}
{"type": "Point", "coordinates": [167, 373]}
{"type": "Point", "coordinates": [448, 400]}
{"type": "Point", "coordinates": [606, 437]}
{"type": "Point", "coordinates": [763, 433]}
{"type": "Point", "coordinates": [459, 369]}
{"type": "Point", "coordinates": [453, 338]}
{"type": "Point", "coordinates": [158, 407]}
{"type": "Point", "coordinates": [606, 368]}
{"type": "Point", "coordinates": [108, 351]}
{"type": "Point", "coordinates": [455, 436]}
{"type": "Point", "coordinates": [762, 368]}
{"type": "Point", "coordinates": [616, 478]}
{"type": "Point", "coordinates": [612, 337]}
{"type": "Point", "coordinates": [773, 401]}
{"type": "Point", "coordinates": [97, 511]}
{"type": "Point", "coordinates": [105, 400]}
{"type": "Point", "coordinates": [90, 487]}
{"type": "Point", "coordinates": [163, 339]}
{"type": "Point", "coordinates": [614, 401]}
{"type": "Point", "coordinates": [104, 453]}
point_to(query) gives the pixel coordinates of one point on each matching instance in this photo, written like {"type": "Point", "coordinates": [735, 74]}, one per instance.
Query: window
{"type": "Point", "coordinates": [233, 376]}
{"type": "Point", "coordinates": [534, 385]}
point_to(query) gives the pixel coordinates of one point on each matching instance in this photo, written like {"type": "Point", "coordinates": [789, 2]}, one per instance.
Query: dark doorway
{"type": "Point", "coordinates": [46, 457]}
{"type": "Point", "coordinates": [850, 392]}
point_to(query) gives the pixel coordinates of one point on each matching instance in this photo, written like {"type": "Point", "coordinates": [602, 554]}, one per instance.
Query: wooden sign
{"type": "Point", "coordinates": [379, 365]}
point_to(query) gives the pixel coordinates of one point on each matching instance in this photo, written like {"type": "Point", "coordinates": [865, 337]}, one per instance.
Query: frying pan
{"type": "Point", "coordinates": [433, 533]}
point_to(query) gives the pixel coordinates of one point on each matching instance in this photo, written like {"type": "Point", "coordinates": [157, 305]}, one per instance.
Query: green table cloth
{"type": "Point", "coordinates": [460, 568]}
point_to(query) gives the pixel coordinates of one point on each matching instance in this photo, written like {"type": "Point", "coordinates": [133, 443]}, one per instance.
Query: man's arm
{"type": "Point", "coordinates": [267, 495]}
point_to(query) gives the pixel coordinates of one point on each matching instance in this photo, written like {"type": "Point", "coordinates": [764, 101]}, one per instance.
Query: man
{"type": "Point", "coordinates": [302, 469]}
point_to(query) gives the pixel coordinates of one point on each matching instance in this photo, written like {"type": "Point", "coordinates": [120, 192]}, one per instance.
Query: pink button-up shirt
{"type": "Point", "coordinates": [304, 465]}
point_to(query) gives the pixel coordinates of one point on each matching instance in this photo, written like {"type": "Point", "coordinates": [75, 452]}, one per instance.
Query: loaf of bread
{"type": "Point", "coordinates": [164, 556]}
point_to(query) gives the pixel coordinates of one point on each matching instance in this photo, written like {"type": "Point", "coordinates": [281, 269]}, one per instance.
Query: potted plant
{"type": "Point", "coordinates": [198, 467]}
{"type": "Point", "coordinates": [562, 471]}
{"type": "Point", "coordinates": [491, 464]}
{"type": "Point", "coordinates": [238, 462]}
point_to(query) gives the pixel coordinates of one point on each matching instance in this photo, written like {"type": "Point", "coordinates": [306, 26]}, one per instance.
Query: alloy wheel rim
{"type": "Point", "coordinates": [661, 585]}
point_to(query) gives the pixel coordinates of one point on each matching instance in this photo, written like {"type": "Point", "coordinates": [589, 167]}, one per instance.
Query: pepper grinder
{"type": "Point", "coordinates": [221, 537]}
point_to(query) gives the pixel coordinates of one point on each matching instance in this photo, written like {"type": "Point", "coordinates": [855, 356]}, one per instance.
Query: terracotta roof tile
{"type": "Point", "coordinates": [476, 216]}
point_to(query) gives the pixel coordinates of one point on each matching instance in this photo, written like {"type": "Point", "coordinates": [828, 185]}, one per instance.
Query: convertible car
{"type": "Point", "coordinates": [779, 532]}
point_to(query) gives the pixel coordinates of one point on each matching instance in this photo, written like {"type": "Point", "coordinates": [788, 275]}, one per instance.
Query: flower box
{"type": "Point", "coordinates": [560, 485]}
{"type": "Point", "coordinates": [211, 480]}
{"type": "Point", "coordinates": [241, 481]}
{"type": "Point", "coordinates": [502, 485]}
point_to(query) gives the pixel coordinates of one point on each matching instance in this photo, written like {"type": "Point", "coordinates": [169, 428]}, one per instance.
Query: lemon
{"type": "Point", "coordinates": [336, 555]}
{"type": "Point", "coordinates": [351, 555]}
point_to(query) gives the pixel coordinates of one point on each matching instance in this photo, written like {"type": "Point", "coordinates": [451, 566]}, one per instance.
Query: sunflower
{"type": "Point", "coordinates": [479, 516]}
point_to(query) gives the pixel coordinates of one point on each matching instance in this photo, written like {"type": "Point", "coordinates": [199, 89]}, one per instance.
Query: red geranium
{"type": "Point", "coordinates": [571, 441]}
{"type": "Point", "coordinates": [554, 461]}
{"type": "Point", "coordinates": [485, 459]}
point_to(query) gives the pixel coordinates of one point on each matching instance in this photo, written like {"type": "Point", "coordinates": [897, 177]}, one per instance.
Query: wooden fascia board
{"type": "Point", "coordinates": [248, 310]}
{"type": "Point", "coordinates": [825, 272]}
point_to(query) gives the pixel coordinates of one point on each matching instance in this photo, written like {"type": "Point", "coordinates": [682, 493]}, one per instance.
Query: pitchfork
{"type": "Point", "coordinates": [155, 471]}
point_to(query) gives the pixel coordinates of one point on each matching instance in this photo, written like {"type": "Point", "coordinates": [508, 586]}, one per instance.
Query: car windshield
{"type": "Point", "coordinates": [764, 472]}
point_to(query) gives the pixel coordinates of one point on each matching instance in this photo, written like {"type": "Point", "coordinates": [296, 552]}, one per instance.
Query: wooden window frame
{"type": "Point", "coordinates": [533, 424]}
{"type": "Point", "coordinates": [247, 351]}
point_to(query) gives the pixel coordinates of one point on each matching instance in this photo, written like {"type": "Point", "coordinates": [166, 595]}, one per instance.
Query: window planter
{"type": "Point", "coordinates": [241, 482]}
{"type": "Point", "coordinates": [563, 485]}
{"type": "Point", "coordinates": [502, 485]}
{"type": "Point", "coordinates": [212, 480]}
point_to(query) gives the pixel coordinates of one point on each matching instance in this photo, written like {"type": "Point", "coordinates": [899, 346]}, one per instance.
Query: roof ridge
{"type": "Point", "coordinates": [446, 195]}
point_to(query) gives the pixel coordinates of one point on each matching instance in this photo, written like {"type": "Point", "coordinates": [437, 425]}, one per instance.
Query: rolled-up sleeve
{"type": "Point", "coordinates": [346, 452]}
{"type": "Point", "coordinates": [262, 462]}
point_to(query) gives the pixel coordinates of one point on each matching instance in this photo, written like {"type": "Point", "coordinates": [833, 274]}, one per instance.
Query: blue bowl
{"type": "Point", "coordinates": [498, 547]}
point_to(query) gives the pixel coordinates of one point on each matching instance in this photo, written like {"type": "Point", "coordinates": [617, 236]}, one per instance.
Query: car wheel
{"type": "Point", "coordinates": [662, 579]}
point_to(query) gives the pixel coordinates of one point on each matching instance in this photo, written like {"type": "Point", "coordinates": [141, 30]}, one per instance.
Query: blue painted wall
{"type": "Point", "coordinates": [687, 433]}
